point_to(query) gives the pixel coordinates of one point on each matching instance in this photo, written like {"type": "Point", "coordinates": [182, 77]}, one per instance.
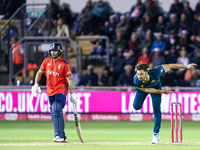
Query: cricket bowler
{"type": "Point", "coordinates": [148, 81]}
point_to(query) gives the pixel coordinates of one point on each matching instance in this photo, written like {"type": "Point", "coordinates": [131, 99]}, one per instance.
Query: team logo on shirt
{"type": "Point", "coordinates": [48, 64]}
{"type": "Point", "coordinates": [153, 81]}
{"type": "Point", "coordinates": [59, 66]}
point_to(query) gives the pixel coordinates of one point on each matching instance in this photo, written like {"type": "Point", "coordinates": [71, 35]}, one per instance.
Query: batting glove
{"type": "Point", "coordinates": [74, 98]}
{"type": "Point", "coordinates": [36, 89]}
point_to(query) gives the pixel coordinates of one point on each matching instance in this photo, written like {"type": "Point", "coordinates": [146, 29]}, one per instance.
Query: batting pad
{"type": "Point", "coordinates": [58, 120]}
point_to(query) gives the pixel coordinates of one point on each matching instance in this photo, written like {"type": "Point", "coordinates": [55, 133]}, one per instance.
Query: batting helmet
{"type": "Point", "coordinates": [56, 47]}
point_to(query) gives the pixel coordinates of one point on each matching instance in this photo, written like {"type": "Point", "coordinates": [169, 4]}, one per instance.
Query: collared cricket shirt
{"type": "Point", "coordinates": [154, 79]}
{"type": "Point", "coordinates": [56, 72]}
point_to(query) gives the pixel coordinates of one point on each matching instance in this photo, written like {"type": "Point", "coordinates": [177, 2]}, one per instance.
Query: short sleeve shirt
{"type": "Point", "coordinates": [154, 81]}
{"type": "Point", "coordinates": [56, 72]}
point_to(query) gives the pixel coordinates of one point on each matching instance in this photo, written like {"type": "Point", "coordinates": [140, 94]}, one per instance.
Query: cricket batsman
{"type": "Point", "coordinates": [148, 81]}
{"type": "Point", "coordinates": [58, 78]}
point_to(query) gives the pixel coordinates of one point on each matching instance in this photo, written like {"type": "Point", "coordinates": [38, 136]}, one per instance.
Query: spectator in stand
{"type": "Point", "coordinates": [133, 43]}
{"type": "Point", "coordinates": [147, 42]}
{"type": "Point", "coordinates": [196, 28]}
{"type": "Point", "coordinates": [197, 9]}
{"type": "Point", "coordinates": [122, 26]}
{"type": "Point", "coordinates": [119, 43]}
{"type": "Point", "coordinates": [183, 41]}
{"type": "Point", "coordinates": [195, 49]}
{"type": "Point", "coordinates": [197, 59]}
{"type": "Point", "coordinates": [100, 14]}
{"type": "Point", "coordinates": [188, 11]}
{"type": "Point", "coordinates": [62, 29]}
{"type": "Point", "coordinates": [106, 78]}
{"type": "Point", "coordinates": [54, 29]}
{"type": "Point", "coordinates": [172, 25]}
{"type": "Point", "coordinates": [195, 79]}
{"type": "Point", "coordinates": [136, 13]}
{"type": "Point", "coordinates": [126, 78]}
{"type": "Point", "coordinates": [18, 55]}
{"type": "Point", "coordinates": [172, 41]}
{"type": "Point", "coordinates": [118, 65]}
{"type": "Point", "coordinates": [65, 13]}
{"type": "Point", "coordinates": [75, 76]}
{"type": "Point", "coordinates": [3, 7]}
{"type": "Point", "coordinates": [54, 9]}
{"type": "Point", "coordinates": [182, 60]}
{"type": "Point", "coordinates": [132, 50]}
{"type": "Point", "coordinates": [147, 23]}
{"type": "Point", "coordinates": [189, 73]}
{"type": "Point", "coordinates": [151, 65]}
{"type": "Point", "coordinates": [85, 14]}
{"type": "Point", "coordinates": [157, 58]}
{"type": "Point", "coordinates": [160, 26]}
{"type": "Point", "coordinates": [153, 10]}
{"type": "Point", "coordinates": [109, 28]}
{"type": "Point", "coordinates": [90, 78]}
{"type": "Point", "coordinates": [197, 42]}
{"type": "Point", "coordinates": [8, 8]}
{"type": "Point", "coordinates": [176, 8]}
{"type": "Point", "coordinates": [31, 69]}
{"type": "Point", "coordinates": [54, 12]}
{"type": "Point", "coordinates": [184, 24]}
{"type": "Point", "coordinates": [132, 57]}
{"type": "Point", "coordinates": [172, 56]}
{"type": "Point", "coordinates": [158, 43]}
{"type": "Point", "coordinates": [3, 4]}
{"type": "Point", "coordinates": [145, 57]}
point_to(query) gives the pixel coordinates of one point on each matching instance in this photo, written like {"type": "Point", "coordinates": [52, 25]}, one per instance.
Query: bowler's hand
{"type": "Point", "coordinates": [35, 90]}
{"type": "Point", "coordinates": [166, 91]}
{"type": "Point", "coordinates": [74, 98]}
{"type": "Point", "coordinates": [191, 65]}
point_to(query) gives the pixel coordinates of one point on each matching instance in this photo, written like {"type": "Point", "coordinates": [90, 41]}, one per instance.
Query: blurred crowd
{"type": "Point", "coordinates": [145, 33]}
{"type": "Point", "coordinates": [8, 7]}
{"type": "Point", "coordinates": [149, 35]}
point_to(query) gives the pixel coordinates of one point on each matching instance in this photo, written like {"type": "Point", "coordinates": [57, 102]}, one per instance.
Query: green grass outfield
{"type": "Point", "coordinates": [124, 135]}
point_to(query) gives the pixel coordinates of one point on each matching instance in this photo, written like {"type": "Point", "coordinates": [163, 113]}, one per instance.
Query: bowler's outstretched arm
{"type": "Point", "coordinates": [177, 66]}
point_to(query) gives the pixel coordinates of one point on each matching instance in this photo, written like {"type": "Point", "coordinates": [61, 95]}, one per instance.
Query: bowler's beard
{"type": "Point", "coordinates": [144, 79]}
{"type": "Point", "coordinates": [141, 79]}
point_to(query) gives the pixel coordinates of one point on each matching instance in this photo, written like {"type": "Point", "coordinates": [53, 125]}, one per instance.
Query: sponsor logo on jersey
{"type": "Point", "coordinates": [59, 66]}
{"type": "Point", "coordinates": [52, 73]}
{"type": "Point", "coordinates": [68, 72]}
{"type": "Point", "coordinates": [153, 81]}
{"type": "Point", "coordinates": [48, 64]}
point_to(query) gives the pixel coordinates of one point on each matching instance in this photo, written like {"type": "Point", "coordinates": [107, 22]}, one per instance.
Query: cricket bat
{"type": "Point", "coordinates": [78, 125]}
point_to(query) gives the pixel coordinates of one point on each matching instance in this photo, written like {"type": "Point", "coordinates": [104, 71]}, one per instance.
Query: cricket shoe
{"type": "Point", "coordinates": [65, 139]}
{"type": "Point", "coordinates": [156, 138]}
{"type": "Point", "coordinates": [58, 139]}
